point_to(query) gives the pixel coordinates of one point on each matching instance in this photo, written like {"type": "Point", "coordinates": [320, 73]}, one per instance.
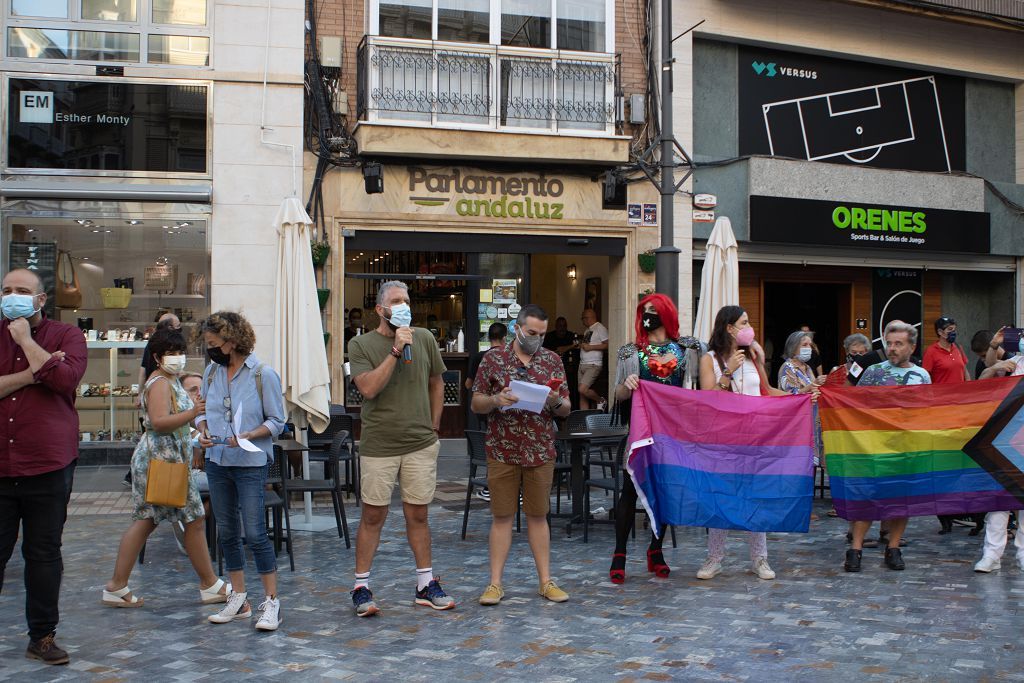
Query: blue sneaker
{"type": "Point", "coordinates": [434, 596]}
{"type": "Point", "coordinates": [362, 598]}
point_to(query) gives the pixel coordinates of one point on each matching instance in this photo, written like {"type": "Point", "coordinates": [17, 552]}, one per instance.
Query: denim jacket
{"type": "Point", "coordinates": [226, 406]}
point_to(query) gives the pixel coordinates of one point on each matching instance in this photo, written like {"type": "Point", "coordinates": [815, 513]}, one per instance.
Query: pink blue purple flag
{"type": "Point", "coordinates": [722, 460]}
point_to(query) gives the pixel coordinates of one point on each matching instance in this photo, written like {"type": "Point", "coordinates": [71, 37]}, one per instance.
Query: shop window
{"type": "Point", "coordinates": [179, 50]}
{"type": "Point", "coordinates": [113, 276]}
{"type": "Point", "coordinates": [109, 10]}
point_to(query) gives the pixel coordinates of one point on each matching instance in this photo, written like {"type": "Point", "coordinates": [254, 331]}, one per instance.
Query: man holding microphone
{"type": "Point", "coordinates": [397, 369]}
{"type": "Point", "coordinates": [520, 446]}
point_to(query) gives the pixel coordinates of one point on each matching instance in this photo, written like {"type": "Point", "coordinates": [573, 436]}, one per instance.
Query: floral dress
{"type": "Point", "coordinates": [172, 447]}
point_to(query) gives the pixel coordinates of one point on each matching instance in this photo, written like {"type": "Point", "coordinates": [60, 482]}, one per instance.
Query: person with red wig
{"type": "Point", "coordinates": [659, 355]}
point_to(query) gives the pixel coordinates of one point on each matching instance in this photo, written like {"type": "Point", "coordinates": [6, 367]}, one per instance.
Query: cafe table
{"type": "Point", "coordinates": [310, 522]}
{"type": "Point", "coordinates": [579, 442]}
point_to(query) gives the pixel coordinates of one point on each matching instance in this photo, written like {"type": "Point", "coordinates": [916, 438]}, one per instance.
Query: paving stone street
{"type": "Point", "coordinates": [937, 620]}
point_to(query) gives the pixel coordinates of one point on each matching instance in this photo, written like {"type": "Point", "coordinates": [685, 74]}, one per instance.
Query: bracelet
{"type": "Point", "coordinates": [395, 352]}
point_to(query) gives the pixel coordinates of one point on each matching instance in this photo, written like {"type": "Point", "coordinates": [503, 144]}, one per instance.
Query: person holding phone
{"type": "Point", "coordinates": [1005, 344]}
{"type": "Point", "coordinates": [735, 362]}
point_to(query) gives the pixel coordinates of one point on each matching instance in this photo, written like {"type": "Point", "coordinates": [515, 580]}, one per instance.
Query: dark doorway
{"type": "Point", "coordinates": [824, 307]}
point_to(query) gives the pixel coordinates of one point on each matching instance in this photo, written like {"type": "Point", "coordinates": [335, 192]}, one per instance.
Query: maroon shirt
{"type": "Point", "coordinates": [39, 423]}
{"type": "Point", "coordinates": [519, 437]}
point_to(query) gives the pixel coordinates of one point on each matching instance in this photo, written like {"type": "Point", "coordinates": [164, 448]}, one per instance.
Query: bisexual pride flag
{"type": "Point", "coordinates": [940, 449]}
{"type": "Point", "coordinates": [722, 460]}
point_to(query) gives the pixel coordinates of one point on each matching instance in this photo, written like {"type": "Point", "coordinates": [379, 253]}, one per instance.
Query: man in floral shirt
{"type": "Point", "coordinates": [521, 446]}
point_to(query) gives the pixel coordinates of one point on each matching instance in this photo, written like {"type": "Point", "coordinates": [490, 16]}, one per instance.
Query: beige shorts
{"type": "Point", "coordinates": [416, 474]}
{"type": "Point", "coordinates": [588, 374]}
{"type": "Point", "coordinates": [505, 481]}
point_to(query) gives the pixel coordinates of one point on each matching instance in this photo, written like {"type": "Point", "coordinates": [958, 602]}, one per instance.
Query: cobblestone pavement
{"type": "Point", "coordinates": [936, 620]}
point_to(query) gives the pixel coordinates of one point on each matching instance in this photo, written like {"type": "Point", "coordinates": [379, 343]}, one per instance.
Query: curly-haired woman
{"type": "Point", "coordinates": [244, 410]}
{"type": "Point", "coordinates": [659, 355]}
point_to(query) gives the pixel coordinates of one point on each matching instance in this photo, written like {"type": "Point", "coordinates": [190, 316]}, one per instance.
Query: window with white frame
{"type": "Point", "coordinates": [581, 25]}
{"type": "Point", "coordinates": [168, 32]}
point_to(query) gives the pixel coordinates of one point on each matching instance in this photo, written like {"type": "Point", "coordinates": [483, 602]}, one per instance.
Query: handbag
{"type": "Point", "coordinates": [68, 292]}
{"type": "Point", "coordinates": [167, 482]}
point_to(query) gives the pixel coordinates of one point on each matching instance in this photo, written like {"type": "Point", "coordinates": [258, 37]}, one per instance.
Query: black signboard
{"type": "Point", "coordinates": [107, 126]}
{"type": "Point", "coordinates": [867, 226]}
{"type": "Point", "coordinates": [40, 258]}
{"type": "Point", "coordinates": [824, 109]}
{"type": "Point", "coordinates": [896, 294]}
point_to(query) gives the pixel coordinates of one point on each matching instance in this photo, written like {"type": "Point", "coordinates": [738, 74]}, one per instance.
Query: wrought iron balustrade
{"type": "Point", "coordinates": [487, 86]}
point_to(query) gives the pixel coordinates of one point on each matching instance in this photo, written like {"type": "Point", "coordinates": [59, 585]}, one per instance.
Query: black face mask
{"type": "Point", "coordinates": [218, 356]}
{"type": "Point", "coordinates": [651, 321]}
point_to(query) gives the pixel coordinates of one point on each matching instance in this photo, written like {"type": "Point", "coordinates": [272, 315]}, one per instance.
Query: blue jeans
{"type": "Point", "coordinates": [241, 488]}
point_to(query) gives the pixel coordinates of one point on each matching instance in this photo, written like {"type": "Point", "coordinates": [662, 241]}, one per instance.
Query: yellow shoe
{"type": "Point", "coordinates": [492, 595]}
{"type": "Point", "coordinates": [553, 593]}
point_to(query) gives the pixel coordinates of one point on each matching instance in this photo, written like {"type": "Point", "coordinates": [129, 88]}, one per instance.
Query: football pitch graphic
{"type": "Point", "coordinates": [858, 123]}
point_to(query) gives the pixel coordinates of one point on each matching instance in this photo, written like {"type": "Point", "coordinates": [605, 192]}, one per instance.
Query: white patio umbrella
{"type": "Point", "coordinates": [719, 278]}
{"type": "Point", "coordinates": [299, 352]}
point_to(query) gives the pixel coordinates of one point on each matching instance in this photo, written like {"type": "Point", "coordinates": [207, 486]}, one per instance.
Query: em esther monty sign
{"type": "Point", "coordinates": [875, 226]}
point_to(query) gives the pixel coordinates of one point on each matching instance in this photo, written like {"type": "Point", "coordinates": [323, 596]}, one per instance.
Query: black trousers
{"type": "Point", "coordinates": [38, 505]}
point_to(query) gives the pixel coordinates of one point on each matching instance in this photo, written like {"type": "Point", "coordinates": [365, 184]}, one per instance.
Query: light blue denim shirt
{"type": "Point", "coordinates": [224, 405]}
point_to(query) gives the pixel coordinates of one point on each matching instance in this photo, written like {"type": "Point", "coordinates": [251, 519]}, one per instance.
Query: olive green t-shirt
{"type": "Point", "coordinates": [398, 420]}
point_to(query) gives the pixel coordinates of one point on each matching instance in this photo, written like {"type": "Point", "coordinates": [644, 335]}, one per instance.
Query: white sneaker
{"type": "Point", "coordinates": [237, 608]}
{"type": "Point", "coordinates": [270, 618]}
{"type": "Point", "coordinates": [709, 570]}
{"type": "Point", "coordinates": [762, 569]}
{"type": "Point", "coordinates": [987, 564]}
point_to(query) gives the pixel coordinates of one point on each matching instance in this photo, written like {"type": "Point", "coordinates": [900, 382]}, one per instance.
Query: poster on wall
{"type": "Point", "coordinates": [505, 291]}
{"type": "Point", "coordinates": [633, 214]}
{"type": "Point", "coordinates": [896, 294]}
{"type": "Point", "coordinates": [40, 258]}
{"type": "Point", "coordinates": [825, 109]}
{"type": "Point", "coordinates": [650, 215]}
{"type": "Point", "coordinates": [592, 296]}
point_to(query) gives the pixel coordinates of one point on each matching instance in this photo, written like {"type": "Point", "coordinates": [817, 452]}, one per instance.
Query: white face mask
{"type": "Point", "coordinates": [805, 354]}
{"type": "Point", "coordinates": [173, 365]}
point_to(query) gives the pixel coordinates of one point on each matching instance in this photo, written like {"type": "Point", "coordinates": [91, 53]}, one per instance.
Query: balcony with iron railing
{"type": "Point", "coordinates": [468, 93]}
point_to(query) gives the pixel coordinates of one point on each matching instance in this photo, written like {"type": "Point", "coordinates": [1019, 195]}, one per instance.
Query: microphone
{"type": "Point", "coordinates": [407, 354]}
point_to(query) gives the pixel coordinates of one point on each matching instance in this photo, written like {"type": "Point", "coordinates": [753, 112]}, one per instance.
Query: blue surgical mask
{"type": "Point", "coordinates": [805, 354]}
{"type": "Point", "coordinates": [1020, 346]}
{"type": "Point", "coordinates": [195, 441]}
{"type": "Point", "coordinates": [401, 316]}
{"type": "Point", "coordinates": [18, 306]}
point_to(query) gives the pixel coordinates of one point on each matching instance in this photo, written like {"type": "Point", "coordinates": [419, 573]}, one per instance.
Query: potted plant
{"type": "Point", "coordinates": [321, 250]}
{"type": "Point", "coordinates": [322, 295]}
{"type": "Point", "coordinates": [647, 261]}
{"type": "Point", "coordinates": [644, 292]}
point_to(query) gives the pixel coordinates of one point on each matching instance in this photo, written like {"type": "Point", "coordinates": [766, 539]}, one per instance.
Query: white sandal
{"type": "Point", "coordinates": [117, 599]}
{"type": "Point", "coordinates": [212, 595]}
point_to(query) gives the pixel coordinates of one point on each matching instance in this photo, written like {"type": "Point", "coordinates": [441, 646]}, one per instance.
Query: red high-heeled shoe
{"type": "Point", "coordinates": [656, 564]}
{"type": "Point", "coordinates": [618, 574]}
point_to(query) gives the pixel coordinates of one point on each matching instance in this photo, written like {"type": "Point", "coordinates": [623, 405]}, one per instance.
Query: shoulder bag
{"type": "Point", "coordinates": [167, 482]}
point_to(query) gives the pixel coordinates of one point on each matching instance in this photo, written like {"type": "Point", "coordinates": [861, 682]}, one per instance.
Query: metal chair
{"type": "Point", "coordinates": [475, 446]}
{"type": "Point", "coordinates": [612, 483]}
{"type": "Point", "coordinates": [332, 484]}
{"type": "Point", "coordinates": [274, 505]}
{"type": "Point", "coordinates": [319, 445]}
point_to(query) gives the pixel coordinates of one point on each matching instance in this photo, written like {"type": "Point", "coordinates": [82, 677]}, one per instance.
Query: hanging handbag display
{"type": "Point", "coordinates": [167, 482]}
{"type": "Point", "coordinates": [68, 292]}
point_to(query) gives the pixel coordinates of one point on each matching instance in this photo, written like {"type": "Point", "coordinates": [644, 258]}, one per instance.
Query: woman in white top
{"type": "Point", "coordinates": [734, 362]}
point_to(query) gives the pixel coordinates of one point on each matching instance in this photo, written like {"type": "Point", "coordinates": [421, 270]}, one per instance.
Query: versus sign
{"type": "Point", "coordinates": [823, 109]}
{"type": "Point", "coordinates": [846, 224]}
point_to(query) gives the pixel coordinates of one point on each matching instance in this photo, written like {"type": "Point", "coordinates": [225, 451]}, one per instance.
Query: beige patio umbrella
{"type": "Point", "coordinates": [299, 352]}
{"type": "Point", "coordinates": [719, 278]}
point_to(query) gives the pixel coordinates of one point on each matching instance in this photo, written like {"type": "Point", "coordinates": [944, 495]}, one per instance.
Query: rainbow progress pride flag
{"type": "Point", "coordinates": [721, 460]}
{"type": "Point", "coordinates": [940, 449]}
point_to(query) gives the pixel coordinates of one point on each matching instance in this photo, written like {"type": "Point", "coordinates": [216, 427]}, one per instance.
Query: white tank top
{"type": "Point", "coordinates": [747, 381]}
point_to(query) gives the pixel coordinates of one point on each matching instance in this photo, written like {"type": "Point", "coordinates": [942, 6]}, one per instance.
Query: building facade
{"type": "Point", "coordinates": [147, 147]}
{"type": "Point", "coordinates": [870, 157]}
{"type": "Point", "coordinates": [483, 134]}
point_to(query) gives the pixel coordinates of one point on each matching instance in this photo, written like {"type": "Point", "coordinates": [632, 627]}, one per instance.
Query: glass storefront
{"type": "Point", "coordinates": [113, 275]}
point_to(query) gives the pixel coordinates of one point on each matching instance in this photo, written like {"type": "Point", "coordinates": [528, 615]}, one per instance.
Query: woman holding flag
{"type": "Point", "coordinates": [659, 355]}
{"type": "Point", "coordinates": [735, 362]}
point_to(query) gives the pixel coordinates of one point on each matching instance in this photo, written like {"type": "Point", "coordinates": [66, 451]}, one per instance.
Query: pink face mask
{"type": "Point", "coordinates": [745, 337]}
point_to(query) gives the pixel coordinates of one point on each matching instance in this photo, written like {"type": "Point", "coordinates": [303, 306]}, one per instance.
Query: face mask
{"type": "Point", "coordinates": [400, 316]}
{"type": "Point", "coordinates": [218, 356]}
{"type": "Point", "coordinates": [195, 442]}
{"type": "Point", "coordinates": [805, 354]}
{"type": "Point", "coordinates": [951, 337]}
{"type": "Point", "coordinates": [529, 345]}
{"type": "Point", "coordinates": [745, 337]}
{"type": "Point", "coordinates": [651, 320]}
{"type": "Point", "coordinates": [173, 365]}
{"type": "Point", "coordinates": [1020, 346]}
{"type": "Point", "coordinates": [18, 306]}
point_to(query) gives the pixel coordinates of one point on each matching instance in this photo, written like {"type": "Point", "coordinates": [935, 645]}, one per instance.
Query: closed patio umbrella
{"type": "Point", "coordinates": [299, 352]}
{"type": "Point", "coordinates": [719, 278]}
